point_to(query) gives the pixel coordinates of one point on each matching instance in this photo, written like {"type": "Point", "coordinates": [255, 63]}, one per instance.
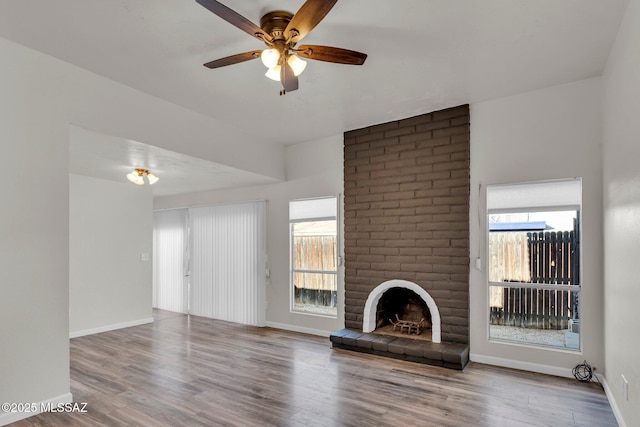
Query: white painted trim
{"type": "Point", "coordinates": [369, 321]}
{"type": "Point", "coordinates": [612, 400]}
{"type": "Point", "coordinates": [113, 327]}
{"type": "Point", "coordinates": [11, 417]}
{"type": "Point", "coordinates": [524, 366]}
{"type": "Point", "coordinates": [301, 329]}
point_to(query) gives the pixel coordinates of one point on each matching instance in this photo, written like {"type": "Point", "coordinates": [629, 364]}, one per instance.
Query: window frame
{"type": "Point", "coordinates": [293, 270]}
{"type": "Point", "coordinates": [576, 288]}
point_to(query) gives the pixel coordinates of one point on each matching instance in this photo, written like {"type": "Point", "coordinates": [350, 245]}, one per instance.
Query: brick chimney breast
{"type": "Point", "coordinates": [406, 215]}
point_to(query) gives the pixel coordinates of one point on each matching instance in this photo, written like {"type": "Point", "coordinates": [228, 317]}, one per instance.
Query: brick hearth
{"type": "Point", "coordinates": [454, 356]}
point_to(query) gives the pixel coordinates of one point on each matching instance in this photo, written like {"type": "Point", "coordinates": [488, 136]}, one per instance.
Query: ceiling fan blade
{"type": "Point", "coordinates": [234, 18]}
{"type": "Point", "coordinates": [288, 79]}
{"type": "Point", "coordinates": [307, 17]}
{"type": "Point", "coordinates": [331, 54]}
{"type": "Point", "coordinates": [234, 59]}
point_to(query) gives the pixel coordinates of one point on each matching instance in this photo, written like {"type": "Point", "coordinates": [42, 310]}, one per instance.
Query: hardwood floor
{"type": "Point", "coordinates": [184, 370]}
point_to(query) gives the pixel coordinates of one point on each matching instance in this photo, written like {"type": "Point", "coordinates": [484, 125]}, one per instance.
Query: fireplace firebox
{"type": "Point", "coordinates": [402, 310]}
{"type": "Point", "coordinates": [406, 299]}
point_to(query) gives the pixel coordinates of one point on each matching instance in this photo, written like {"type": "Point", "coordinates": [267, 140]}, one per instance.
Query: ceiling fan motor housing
{"type": "Point", "coordinates": [274, 24]}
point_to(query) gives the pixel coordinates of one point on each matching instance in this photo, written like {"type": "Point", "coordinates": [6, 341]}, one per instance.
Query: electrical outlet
{"type": "Point", "coordinates": [625, 387]}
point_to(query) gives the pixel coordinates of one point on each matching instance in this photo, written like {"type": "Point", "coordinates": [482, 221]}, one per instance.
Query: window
{"type": "Point", "coordinates": [314, 254]}
{"type": "Point", "coordinates": [534, 263]}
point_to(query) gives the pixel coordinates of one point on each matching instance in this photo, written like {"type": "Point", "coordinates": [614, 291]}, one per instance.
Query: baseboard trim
{"type": "Point", "coordinates": [549, 370]}
{"type": "Point", "coordinates": [524, 366]}
{"type": "Point", "coordinates": [11, 417]}
{"type": "Point", "coordinates": [295, 328]}
{"type": "Point", "coordinates": [612, 400]}
{"type": "Point", "coordinates": [107, 328]}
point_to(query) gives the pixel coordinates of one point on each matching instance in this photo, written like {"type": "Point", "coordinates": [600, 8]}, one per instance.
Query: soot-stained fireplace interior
{"type": "Point", "coordinates": [399, 305]}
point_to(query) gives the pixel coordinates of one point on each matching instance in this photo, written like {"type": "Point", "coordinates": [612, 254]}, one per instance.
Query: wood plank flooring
{"type": "Point", "coordinates": [193, 371]}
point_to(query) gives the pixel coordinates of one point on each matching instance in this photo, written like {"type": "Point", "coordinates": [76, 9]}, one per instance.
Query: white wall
{"type": "Point", "coordinates": [34, 250]}
{"type": "Point", "coordinates": [546, 134]}
{"type": "Point", "coordinates": [110, 226]}
{"type": "Point", "coordinates": [314, 169]}
{"type": "Point", "coordinates": [40, 97]}
{"type": "Point", "coordinates": [621, 188]}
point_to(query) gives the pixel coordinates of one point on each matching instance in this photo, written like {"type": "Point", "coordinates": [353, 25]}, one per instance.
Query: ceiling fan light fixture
{"type": "Point", "coordinates": [297, 65]}
{"type": "Point", "coordinates": [282, 31]}
{"type": "Point", "coordinates": [270, 57]}
{"type": "Point", "coordinates": [274, 73]}
{"type": "Point", "coordinates": [137, 176]}
{"type": "Point", "coordinates": [152, 178]}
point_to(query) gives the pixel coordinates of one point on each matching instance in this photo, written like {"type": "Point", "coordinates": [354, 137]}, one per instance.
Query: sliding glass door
{"type": "Point", "coordinates": [222, 262]}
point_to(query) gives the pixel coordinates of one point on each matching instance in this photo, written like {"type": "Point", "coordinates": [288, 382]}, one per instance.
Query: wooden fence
{"type": "Point", "coordinates": [315, 253]}
{"type": "Point", "coordinates": [551, 258]}
{"type": "Point", "coordinates": [509, 252]}
{"type": "Point", "coordinates": [533, 308]}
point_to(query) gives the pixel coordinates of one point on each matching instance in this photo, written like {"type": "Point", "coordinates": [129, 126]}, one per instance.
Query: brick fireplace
{"type": "Point", "coordinates": [374, 316]}
{"type": "Point", "coordinates": [406, 219]}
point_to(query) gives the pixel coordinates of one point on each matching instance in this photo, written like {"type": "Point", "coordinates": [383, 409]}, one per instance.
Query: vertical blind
{"type": "Point", "coordinates": [170, 262]}
{"type": "Point", "coordinates": [227, 268]}
{"type": "Point", "coordinates": [227, 255]}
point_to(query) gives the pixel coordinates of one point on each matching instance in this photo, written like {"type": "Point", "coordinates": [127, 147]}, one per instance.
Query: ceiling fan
{"type": "Point", "coordinates": [281, 31]}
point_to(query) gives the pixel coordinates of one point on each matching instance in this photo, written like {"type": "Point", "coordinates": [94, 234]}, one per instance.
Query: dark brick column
{"type": "Point", "coordinates": [406, 207]}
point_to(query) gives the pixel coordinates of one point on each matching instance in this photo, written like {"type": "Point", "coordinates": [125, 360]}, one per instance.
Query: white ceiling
{"type": "Point", "coordinates": [424, 55]}
{"type": "Point", "coordinates": [112, 158]}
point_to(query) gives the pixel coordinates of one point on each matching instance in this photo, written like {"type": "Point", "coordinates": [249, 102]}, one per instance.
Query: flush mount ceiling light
{"type": "Point", "coordinates": [137, 176]}
{"type": "Point", "coordinates": [281, 31]}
